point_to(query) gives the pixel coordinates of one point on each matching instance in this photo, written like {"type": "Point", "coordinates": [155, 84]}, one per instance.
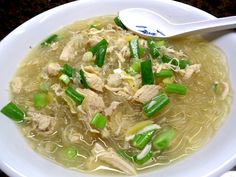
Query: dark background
{"type": "Point", "coordinates": [15, 12]}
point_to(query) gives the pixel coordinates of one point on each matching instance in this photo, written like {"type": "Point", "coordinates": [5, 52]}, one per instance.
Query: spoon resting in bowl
{"type": "Point", "coordinates": [148, 23]}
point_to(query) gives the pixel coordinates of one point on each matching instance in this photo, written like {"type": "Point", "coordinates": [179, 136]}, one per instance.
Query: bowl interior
{"type": "Point", "coordinates": [18, 159]}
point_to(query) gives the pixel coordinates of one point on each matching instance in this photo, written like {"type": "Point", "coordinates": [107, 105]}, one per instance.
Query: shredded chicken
{"type": "Point", "coordinates": [114, 80]}
{"type": "Point", "coordinates": [42, 123]}
{"type": "Point", "coordinates": [109, 110]}
{"type": "Point", "coordinates": [123, 92]}
{"type": "Point", "coordinates": [94, 81]}
{"type": "Point", "coordinates": [16, 84]}
{"type": "Point", "coordinates": [70, 50]}
{"type": "Point", "coordinates": [53, 69]}
{"type": "Point", "coordinates": [146, 93]}
{"type": "Point", "coordinates": [171, 52]}
{"type": "Point", "coordinates": [189, 71]}
{"type": "Point", "coordinates": [57, 89]}
{"type": "Point", "coordinates": [92, 103]}
{"type": "Point", "coordinates": [109, 156]}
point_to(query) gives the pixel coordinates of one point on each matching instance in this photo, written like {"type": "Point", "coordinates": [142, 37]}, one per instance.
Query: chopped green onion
{"type": "Point", "coordinates": [215, 86]}
{"type": "Point", "coordinates": [176, 88]}
{"type": "Point", "coordinates": [141, 140]}
{"type": "Point", "coordinates": [64, 78]}
{"type": "Point", "coordinates": [99, 121]}
{"type": "Point", "coordinates": [68, 70]}
{"type": "Point", "coordinates": [161, 43]}
{"type": "Point", "coordinates": [154, 51]}
{"type": "Point", "coordinates": [134, 48]}
{"type": "Point", "coordinates": [83, 79]}
{"type": "Point", "coordinates": [164, 139]}
{"type": "Point", "coordinates": [174, 61]}
{"type": "Point", "coordinates": [95, 27]}
{"type": "Point", "coordinates": [141, 51]}
{"type": "Point", "coordinates": [70, 152]}
{"type": "Point", "coordinates": [119, 23]}
{"type": "Point", "coordinates": [95, 48]}
{"type": "Point", "coordinates": [156, 105]}
{"type": "Point", "coordinates": [125, 155]}
{"type": "Point", "coordinates": [143, 160]}
{"type": "Point", "coordinates": [183, 63]}
{"type": "Point", "coordinates": [40, 99]}
{"type": "Point", "coordinates": [100, 56]}
{"type": "Point", "coordinates": [74, 95]}
{"type": "Point", "coordinates": [146, 72]}
{"type": "Point", "coordinates": [12, 111]}
{"type": "Point", "coordinates": [165, 73]}
{"type": "Point", "coordinates": [167, 59]}
{"type": "Point", "coordinates": [51, 39]}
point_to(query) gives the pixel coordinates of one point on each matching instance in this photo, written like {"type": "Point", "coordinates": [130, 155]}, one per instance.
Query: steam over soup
{"type": "Point", "coordinates": [98, 98]}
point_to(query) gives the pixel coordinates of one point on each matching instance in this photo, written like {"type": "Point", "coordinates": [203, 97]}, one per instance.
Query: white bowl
{"type": "Point", "coordinates": [18, 159]}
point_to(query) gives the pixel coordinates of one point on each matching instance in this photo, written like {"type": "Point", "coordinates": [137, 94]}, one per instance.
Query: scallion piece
{"type": "Point", "coordinates": [141, 51]}
{"type": "Point", "coordinates": [100, 56]}
{"type": "Point", "coordinates": [99, 121]}
{"type": "Point", "coordinates": [160, 43]}
{"type": "Point", "coordinates": [125, 155]}
{"type": "Point", "coordinates": [174, 61]}
{"type": "Point", "coordinates": [156, 105]}
{"type": "Point", "coordinates": [141, 140]}
{"type": "Point", "coordinates": [183, 63]}
{"type": "Point", "coordinates": [95, 27]}
{"type": "Point", "coordinates": [51, 39]}
{"type": "Point", "coordinates": [164, 73]}
{"type": "Point", "coordinates": [74, 95]}
{"type": "Point", "coordinates": [68, 70]}
{"type": "Point", "coordinates": [143, 160]}
{"type": "Point", "coordinates": [134, 48]}
{"type": "Point", "coordinates": [12, 111]}
{"type": "Point", "coordinates": [164, 139]}
{"type": "Point", "coordinates": [40, 99]}
{"type": "Point", "coordinates": [95, 48]}
{"type": "Point", "coordinates": [154, 51]}
{"type": "Point", "coordinates": [83, 79]}
{"type": "Point", "coordinates": [64, 78]}
{"type": "Point", "coordinates": [119, 23]}
{"type": "Point", "coordinates": [70, 152]}
{"type": "Point", "coordinates": [176, 88]}
{"type": "Point", "coordinates": [147, 73]}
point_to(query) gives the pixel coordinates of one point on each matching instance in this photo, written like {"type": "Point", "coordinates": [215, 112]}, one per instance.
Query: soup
{"type": "Point", "coordinates": [98, 98]}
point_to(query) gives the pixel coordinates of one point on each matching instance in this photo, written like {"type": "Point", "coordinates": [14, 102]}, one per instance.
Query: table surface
{"type": "Point", "coordinates": [15, 12]}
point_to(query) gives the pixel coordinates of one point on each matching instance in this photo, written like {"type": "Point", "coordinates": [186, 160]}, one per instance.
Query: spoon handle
{"type": "Point", "coordinates": [208, 25]}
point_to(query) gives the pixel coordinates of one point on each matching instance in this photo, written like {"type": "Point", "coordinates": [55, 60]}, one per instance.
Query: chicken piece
{"type": "Point", "coordinates": [70, 50]}
{"type": "Point", "coordinates": [114, 80]}
{"type": "Point", "coordinates": [110, 157]}
{"type": "Point", "coordinates": [123, 92]}
{"type": "Point", "coordinates": [108, 111]}
{"type": "Point", "coordinates": [92, 103]}
{"type": "Point", "coordinates": [16, 84]}
{"type": "Point", "coordinates": [171, 52]}
{"type": "Point", "coordinates": [53, 69]}
{"type": "Point", "coordinates": [146, 93]}
{"type": "Point", "coordinates": [42, 123]}
{"type": "Point", "coordinates": [93, 80]}
{"type": "Point", "coordinates": [190, 70]}
{"type": "Point", "coordinates": [57, 89]}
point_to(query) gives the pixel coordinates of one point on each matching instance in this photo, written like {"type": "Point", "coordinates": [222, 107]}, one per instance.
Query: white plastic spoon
{"type": "Point", "coordinates": [148, 23]}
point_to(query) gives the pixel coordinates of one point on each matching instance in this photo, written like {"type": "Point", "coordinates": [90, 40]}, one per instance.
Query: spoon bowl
{"type": "Point", "coordinates": [149, 23]}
